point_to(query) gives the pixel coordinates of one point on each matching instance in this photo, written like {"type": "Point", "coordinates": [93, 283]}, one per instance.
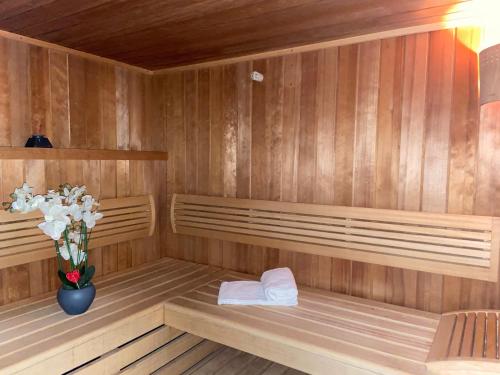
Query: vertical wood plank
{"type": "Point", "coordinates": [344, 144]}
{"type": "Point", "coordinates": [19, 108]}
{"type": "Point", "coordinates": [230, 145]}
{"type": "Point", "coordinates": [216, 175]}
{"type": "Point", "coordinates": [304, 265]}
{"type": "Point", "coordinates": [41, 122]}
{"type": "Point", "coordinates": [4, 95]}
{"type": "Point", "coordinates": [59, 100]}
{"type": "Point", "coordinates": [368, 279]}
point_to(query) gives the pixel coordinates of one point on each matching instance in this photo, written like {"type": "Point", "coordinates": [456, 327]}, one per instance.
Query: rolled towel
{"type": "Point", "coordinates": [241, 293]}
{"type": "Point", "coordinates": [248, 293]}
{"type": "Point", "coordinates": [279, 286]}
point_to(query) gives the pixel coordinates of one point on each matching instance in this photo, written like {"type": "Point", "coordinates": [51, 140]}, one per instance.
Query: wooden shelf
{"type": "Point", "coordinates": [78, 154]}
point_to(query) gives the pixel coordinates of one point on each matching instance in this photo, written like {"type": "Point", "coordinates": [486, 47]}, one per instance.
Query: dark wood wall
{"type": "Point", "coordinates": [391, 123]}
{"type": "Point", "coordinates": [78, 103]}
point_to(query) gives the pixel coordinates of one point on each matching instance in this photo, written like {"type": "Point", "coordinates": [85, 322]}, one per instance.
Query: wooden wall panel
{"type": "Point", "coordinates": [391, 124]}
{"type": "Point", "coordinates": [86, 104]}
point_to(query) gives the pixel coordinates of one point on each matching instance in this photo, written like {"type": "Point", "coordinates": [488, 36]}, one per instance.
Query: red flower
{"type": "Point", "coordinates": [73, 276]}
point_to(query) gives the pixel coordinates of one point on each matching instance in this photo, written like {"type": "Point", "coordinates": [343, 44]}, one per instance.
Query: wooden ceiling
{"type": "Point", "coordinates": [156, 34]}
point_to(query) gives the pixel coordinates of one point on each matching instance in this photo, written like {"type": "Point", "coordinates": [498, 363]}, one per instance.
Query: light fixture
{"type": "Point", "coordinates": [489, 67]}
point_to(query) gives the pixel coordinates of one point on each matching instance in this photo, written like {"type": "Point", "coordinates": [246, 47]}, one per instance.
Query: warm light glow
{"type": "Point", "coordinates": [487, 13]}
{"type": "Point", "coordinates": [480, 13]}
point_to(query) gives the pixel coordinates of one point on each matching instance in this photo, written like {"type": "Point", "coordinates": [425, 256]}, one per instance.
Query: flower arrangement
{"type": "Point", "coordinates": [69, 216]}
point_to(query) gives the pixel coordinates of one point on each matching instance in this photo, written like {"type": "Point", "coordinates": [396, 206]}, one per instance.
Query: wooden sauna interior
{"type": "Point", "coordinates": [364, 103]}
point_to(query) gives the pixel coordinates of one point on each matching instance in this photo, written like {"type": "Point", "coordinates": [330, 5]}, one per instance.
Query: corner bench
{"type": "Point", "coordinates": [163, 317]}
{"type": "Point", "coordinates": [329, 332]}
{"type": "Point", "coordinates": [326, 333]}
{"type": "Point", "coordinates": [123, 331]}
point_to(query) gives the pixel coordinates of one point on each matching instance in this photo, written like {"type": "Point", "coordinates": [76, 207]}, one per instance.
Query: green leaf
{"type": "Point", "coordinates": [66, 283]}
{"type": "Point", "coordinates": [86, 275]}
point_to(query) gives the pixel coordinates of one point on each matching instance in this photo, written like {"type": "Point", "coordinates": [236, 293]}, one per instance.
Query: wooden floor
{"type": "Point", "coordinates": [229, 361]}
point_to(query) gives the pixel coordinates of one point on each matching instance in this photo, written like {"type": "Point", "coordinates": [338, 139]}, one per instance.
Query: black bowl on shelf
{"type": "Point", "coordinates": [38, 140]}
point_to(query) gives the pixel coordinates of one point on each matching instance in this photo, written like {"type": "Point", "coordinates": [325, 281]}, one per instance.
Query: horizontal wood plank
{"type": "Point", "coordinates": [448, 244]}
{"type": "Point", "coordinates": [78, 154]}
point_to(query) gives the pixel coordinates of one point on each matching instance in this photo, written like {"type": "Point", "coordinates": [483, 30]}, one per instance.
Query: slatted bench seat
{"type": "Point", "coordinates": [330, 333]}
{"type": "Point", "coordinates": [327, 333]}
{"type": "Point", "coordinates": [124, 324]}
{"type": "Point", "coordinates": [466, 342]}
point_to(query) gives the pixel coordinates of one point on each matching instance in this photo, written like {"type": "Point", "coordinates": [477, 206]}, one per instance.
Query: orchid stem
{"type": "Point", "coordinates": [58, 256]}
{"type": "Point", "coordinates": [66, 239]}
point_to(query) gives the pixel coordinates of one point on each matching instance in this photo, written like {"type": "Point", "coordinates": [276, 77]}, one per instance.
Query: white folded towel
{"type": "Point", "coordinates": [241, 293]}
{"type": "Point", "coordinates": [279, 285]}
{"type": "Point", "coordinates": [254, 292]}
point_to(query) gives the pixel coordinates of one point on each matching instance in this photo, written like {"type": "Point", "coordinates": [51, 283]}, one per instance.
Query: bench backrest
{"type": "Point", "coordinates": [458, 245]}
{"type": "Point", "coordinates": [124, 219]}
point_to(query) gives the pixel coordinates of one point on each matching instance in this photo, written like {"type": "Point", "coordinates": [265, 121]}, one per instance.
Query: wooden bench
{"type": "Point", "coordinates": [124, 330]}
{"type": "Point", "coordinates": [457, 245]}
{"type": "Point", "coordinates": [326, 333]}
{"type": "Point", "coordinates": [466, 342]}
{"type": "Point", "coordinates": [335, 332]}
{"type": "Point", "coordinates": [124, 219]}
{"type": "Point", "coordinates": [164, 317]}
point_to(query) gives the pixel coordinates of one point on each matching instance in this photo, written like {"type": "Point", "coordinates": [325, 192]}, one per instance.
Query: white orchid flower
{"type": "Point", "coordinates": [28, 189]}
{"type": "Point", "coordinates": [57, 213]}
{"type": "Point", "coordinates": [63, 250]}
{"type": "Point", "coordinates": [76, 255]}
{"type": "Point", "coordinates": [76, 211]}
{"type": "Point", "coordinates": [90, 218]}
{"type": "Point", "coordinates": [88, 202]}
{"type": "Point", "coordinates": [75, 194]}
{"type": "Point", "coordinates": [35, 202]}
{"type": "Point", "coordinates": [20, 204]}
{"type": "Point", "coordinates": [74, 236]}
{"type": "Point", "coordinates": [53, 229]}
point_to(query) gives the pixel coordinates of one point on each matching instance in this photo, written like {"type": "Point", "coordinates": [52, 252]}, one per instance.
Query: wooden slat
{"type": "Point", "coordinates": [188, 359]}
{"type": "Point", "coordinates": [467, 342]}
{"type": "Point", "coordinates": [315, 229]}
{"type": "Point", "coordinates": [462, 247]}
{"type": "Point", "coordinates": [339, 226]}
{"type": "Point", "coordinates": [407, 217]}
{"type": "Point", "coordinates": [457, 336]}
{"type": "Point", "coordinates": [50, 335]}
{"type": "Point", "coordinates": [162, 356]}
{"type": "Point", "coordinates": [124, 219]}
{"type": "Point", "coordinates": [479, 337]}
{"type": "Point", "coordinates": [350, 330]}
{"type": "Point", "coordinates": [220, 230]}
{"type": "Point", "coordinates": [395, 261]}
{"type": "Point", "coordinates": [182, 208]}
{"type": "Point", "coordinates": [125, 355]}
{"type": "Point", "coordinates": [78, 154]}
{"type": "Point", "coordinates": [491, 336]}
{"type": "Point", "coordinates": [472, 343]}
{"type": "Point", "coordinates": [440, 345]}
{"type": "Point", "coordinates": [368, 348]}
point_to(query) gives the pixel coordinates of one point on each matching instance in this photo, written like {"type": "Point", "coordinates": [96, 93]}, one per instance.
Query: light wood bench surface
{"type": "Point", "coordinates": [37, 337]}
{"type": "Point", "coordinates": [447, 244]}
{"type": "Point", "coordinates": [466, 342]}
{"type": "Point", "coordinates": [327, 333]}
{"type": "Point", "coordinates": [164, 318]}
{"type": "Point", "coordinates": [124, 219]}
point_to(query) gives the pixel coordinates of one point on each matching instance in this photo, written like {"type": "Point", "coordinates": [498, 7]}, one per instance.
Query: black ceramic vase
{"type": "Point", "coordinates": [38, 140]}
{"type": "Point", "coordinates": [76, 301]}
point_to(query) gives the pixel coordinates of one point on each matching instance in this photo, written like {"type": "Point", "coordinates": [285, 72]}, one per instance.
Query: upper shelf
{"type": "Point", "coordinates": [78, 154]}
